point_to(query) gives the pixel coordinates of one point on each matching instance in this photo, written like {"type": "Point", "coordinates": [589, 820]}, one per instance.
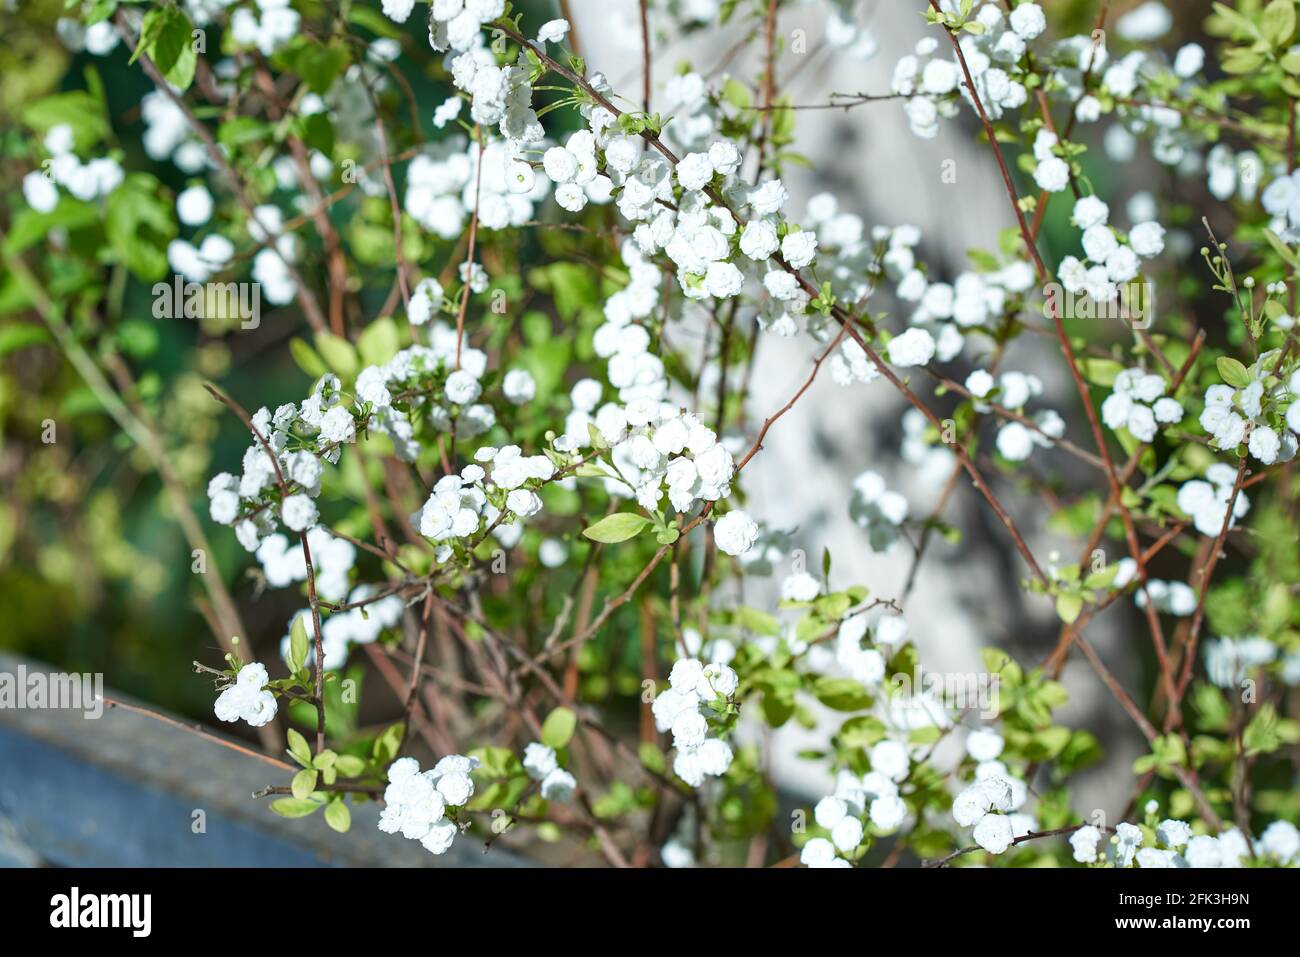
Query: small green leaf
{"type": "Point", "coordinates": [349, 766]}
{"type": "Point", "coordinates": [1233, 372]}
{"type": "Point", "coordinates": [304, 782]}
{"type": "Point", "coordinates": [1068, 607]}
{"type": "Point", "coordinates": [299, 749]}
{"type": "Point", "coordinates": [294, 807]}
{"type": "Point", "coordinates": [618, 527]}
{"type": "Point", "coordinates": [338, 816]}
{"type": "Point", "coordinates": [558, 728]}
{"type": "Point", "coordinates": [298, 644]}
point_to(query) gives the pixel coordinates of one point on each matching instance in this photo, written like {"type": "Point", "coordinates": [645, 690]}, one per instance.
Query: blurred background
{"type": "Point", "coordinates": [96, 575]}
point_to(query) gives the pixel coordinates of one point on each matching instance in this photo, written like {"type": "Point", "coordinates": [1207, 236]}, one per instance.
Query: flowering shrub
{"type": "Point", "coordinates": [526, 315]}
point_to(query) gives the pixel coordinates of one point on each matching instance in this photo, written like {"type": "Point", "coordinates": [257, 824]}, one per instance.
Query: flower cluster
{"type": "Point", "coordinates": [543, 766]}
{"type": "Point", "coordinates": [247, 698]}
{"type": "Point", "coordinates": [422, 805]}
{"type": "Point", "coordinates": [694, 689]}
{"type": "Point", "coordinates": [1137, 402]}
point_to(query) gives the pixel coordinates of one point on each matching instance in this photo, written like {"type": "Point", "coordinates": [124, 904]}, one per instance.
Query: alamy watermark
{"type": "Point", "coordinates": [1134, 304]}
{"type": "Point", "coordinates": [963, 691]}
{"type": "Point", "coordinates": [179, 299]}
{"type": "Point", "coordinates": [52, 691]}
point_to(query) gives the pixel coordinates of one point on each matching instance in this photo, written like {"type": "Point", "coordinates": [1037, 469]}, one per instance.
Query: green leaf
{"type": "Point", "coordinates": [172, 47]}
{"type": "Point", "coordinates": [618, 527]}
{"type": "Point", "coordinates": [298, 644]}
{"type": "Point", "coordinates": [558, 728]}
{"type": "Point", "coordinates": [1233, 372]}
{"type": "Point", "coordinates": [295, 807]}
{"type": "Point", "coordinates": [20, 335]}
{"type": "Point", "coordinates": [339, 355]}
{"type": "Point", "coordinates": [1068, 607]}
{"type": "Point", "coordinates": [77, 108]}
{"type": "Point", "coordinates": [1279, 22]}
{"type": "Point", "coordinates": [1100, 371]}
{"type": "Point", "coordinates": [338, 816]}
{"type": "Point", "coordinates": [139, 224]}
{"type": "Point", "coordinates": [304, 782]}
{"type": "Point", "coordinates": [298, 748]}
{"type": "Point", "coordinates": [841, 694]}
{"type": "Point", "coordinates": [307, 358]}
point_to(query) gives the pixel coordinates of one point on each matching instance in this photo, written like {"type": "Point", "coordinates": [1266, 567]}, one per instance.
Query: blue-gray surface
{"type": "Point", "coordinates": [124, 790]}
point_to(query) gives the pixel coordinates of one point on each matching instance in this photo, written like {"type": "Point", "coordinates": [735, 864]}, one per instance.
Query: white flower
{"type": "Point", "coordinates": [888, 812]}
{"type": "Point", "coordinates": [426, 299]}
{"type": "Point", "coordinates": [1203, 851]}
{"type": "Point", "coordinates": [559, 785]}
{"type": "Point", "coordinates": [846, 835]}
{"type": "Point", "coordinates": [1052, 174]}
{"type": "Point", "coordinates": [984, 744]}
{"type": "Point", "coordinates": [735, 533]}
{"type": "Point", "coordinates": [396, 10]}
{"type": "Point", "coordinates": [518, 386]}
{"type": "Point", "coordinates": [1147, 239]}
{"type": "Point", "coordinates": [571, 196]}
{"type": "Point", "coordinates": [800, 587]}
{"type": "Point", "coordinates": [246, 699]}
{"type": "Point", "coordinates": [1028, 21]}
{"type": "Point", "coordinates": [560, 165]}
{"type": "Point", "coordinates": [299, 512]}
{"type": "Point", "coordinates": [553, 31]}
{"type": "Point", "coordinates": [994, 831]}
{"type": "Point", "coordinates": [915, 347]}
{"type": "Point", "coordinates": [819, 852]}
{"type": "Point", "coordinates": [194, 206]}
{"type": "Point", "coordinates": [1128, 838]}
{"type": "Point", "coordinates": [829, 812]}
{"type": "Point", "coordinates": [462, 388]}
{"type": "Point", "coordinates": [1084, 844]}
{"type": "Point", "coordinates": [723, 280]}
{"type": "Point", "coordinates": [758, 240]}
{"type": "Point", "coordinates": [1173, 834]}
{"type": "Point", "coordinates": [799, 249]}
{"type": "Point", "coordinates": [694, 171]}
{"type": "Point", "coordinates": [1090, 211]}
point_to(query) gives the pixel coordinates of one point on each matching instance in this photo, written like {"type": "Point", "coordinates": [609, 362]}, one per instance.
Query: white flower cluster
{"type": "Point", "coordinates": [858, 800]}
{"type": "Point", "coordinates": [1169, 597]}
{"type": "Point", "coordinates": [341, 630]}
{"type": "Point", "coordinates": [1016, 441]}
{"type": "Point", "coordinates": [1108, 262]}
{"type": "Point", "coordinates": [949, 310]}
{"type": "Point", "coordinates": [877, 509]}
{"type": "Point", "coordinates": [1281, 200]}
{"type": "Point", "coordinates": [1137, 402]}
{"type": "Point", "coordinates": [694, 687]}
{"type": "Point", "coordinates": [1279, 844]}
{"type": "Point", "coordinates": [247, 698]}
{"type": "Point", "coordinates": [866, 664]}
{"type": "Point", "coordinates": [635, 371]}
{"type": "Point", "coordinates": [417, 803]}
{"type": "Point", "coordinates": [249, 502]}
{"type": "Point", "coordinates": [986, 806]}
{"type": "Point", "coordinates": [1229, 661]}
{"type": "Point", "coordinates": [656, 444]}
{"type": "Point", "coordinates": [284, 563]}
{"type": "Point", "coordinates": [1230, 414]}
{"type": "Point", "coordinates": [1206, 501]}
{"type": "Point", "coordinates": [443, 184]}
{"type": "Point", "coordinates": [85, 181]}
{"type": "Point", "coordinates": [735, 533]}
{"type": "Point", "coordinates": [542, 765]}
{"type": "Point", "coordinates": [933, 82]}
{"type": "Point", "coordinates": [265, 24]}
